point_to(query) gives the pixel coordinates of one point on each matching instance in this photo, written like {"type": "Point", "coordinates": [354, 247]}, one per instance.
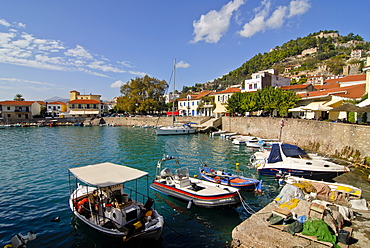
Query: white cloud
{"type": "Point", "coordinates": [126, 64]}
{"type": "Point", "coordinates": [213, 25]}
{"type": "Point", "coordinates": [117, 84]}
{"type": "Point", "coordinates": [298, 7]}
{"type": "Point", "coordinates": [262, 21]}
{"type": "Point", "coordinates": [18, 80]}
{"type": "Point", "coordinates": [79, 52]}
{"type": "Point", "coordinates": [4, 23]}
{"type": "Point", "coordinates": [23, 49]}
{"type": "Point", "coordinates": [277, 18]}
{"type": "Point", "coordinates": [182, 64]}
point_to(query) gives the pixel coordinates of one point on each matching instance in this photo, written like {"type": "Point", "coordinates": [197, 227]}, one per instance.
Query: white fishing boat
{"type": "Point", "coordinates": [195, 191]}
{"type": "Point", "coordinates": [176, 129]}
{"type": "Point", "coordinates": [286, 159]}
{"type": "Point", "coordinates": [101, 200]}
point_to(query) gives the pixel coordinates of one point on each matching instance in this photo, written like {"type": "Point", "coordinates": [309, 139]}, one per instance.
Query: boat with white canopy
{"type": "Point", "coordinates": [100, 199]}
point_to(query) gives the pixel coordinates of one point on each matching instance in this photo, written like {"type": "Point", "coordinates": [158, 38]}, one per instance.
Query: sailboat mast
{"type": "Point", "coordinates": [173, 93]}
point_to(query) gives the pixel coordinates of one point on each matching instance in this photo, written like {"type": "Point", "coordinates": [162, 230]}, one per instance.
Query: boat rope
{"type": "Point", "coordinates": [245, 205]}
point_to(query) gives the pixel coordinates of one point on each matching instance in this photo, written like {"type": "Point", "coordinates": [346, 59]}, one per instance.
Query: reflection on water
{"type": "Point", "coordinates": [35, 183]}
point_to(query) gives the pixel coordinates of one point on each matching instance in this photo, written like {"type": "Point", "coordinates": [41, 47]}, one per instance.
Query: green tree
{"type": "Point", "coordinates": [142, 95]}
{"type": "Point", "coordinates": [234, 105]}
{"type": "Point", "coordinates": [335, 65]}
{"type": "Point", "coordinates": [18, 97]}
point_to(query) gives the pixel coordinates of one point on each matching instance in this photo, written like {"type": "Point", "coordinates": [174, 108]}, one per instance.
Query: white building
{"type": "Point", "coordinates": [263, 79]}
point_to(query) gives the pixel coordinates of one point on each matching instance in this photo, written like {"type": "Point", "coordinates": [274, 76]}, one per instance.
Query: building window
{"type": "Point", "coordinates": [88, 106]}
{"type": "Point", "coordinates": [7, 108]}
{"type": "Point", "coordinates": [8, 115]}
{"type": "Point", "coordinates": [95, 106]}
{"type": "Point", "coordinates": [19, 115]}
{"type": "Point", "coordinates": [255, 86]}
{"type": "Point", "coordinates": [80, 106]}
{"type": "Point", "coordinates": [250, 86]}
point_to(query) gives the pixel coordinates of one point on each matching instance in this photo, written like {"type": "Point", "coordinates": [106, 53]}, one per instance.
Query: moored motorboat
{"type": "Point", "coordinates": [196, 192]}
{"type": "Point", "coordinates": [286, 159]}
{"type": "Point", "coordinates": [229, 179]}
{"type": "Point", "coordinates": [101, 202]}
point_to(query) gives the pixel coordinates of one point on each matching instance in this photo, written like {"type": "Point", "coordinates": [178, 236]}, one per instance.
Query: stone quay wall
{"type": "Point", "coordinates": [153, 121]}
{"type": "Point", "coordinates": [346, 141]}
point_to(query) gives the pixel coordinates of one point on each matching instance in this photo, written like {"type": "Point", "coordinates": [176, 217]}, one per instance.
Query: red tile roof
{"type": "Point", "coordinates": [294, 87]}
{"type": "Point", "coordinates": [349, 78]}
{"type": "Point", "coordinates": [84, 101]}
{"type": "Point", "coordinates": [229, 90]}
{"type": "Point", "coordinates": [196, 96]}
{"type": "Point", "coordinates": [21, 103]}
{"type": "Point", "coordinates": [353, 92]}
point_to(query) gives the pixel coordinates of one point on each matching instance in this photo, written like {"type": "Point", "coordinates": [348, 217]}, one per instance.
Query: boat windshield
{"type": "Point", "coordinates": [182, 173]}
{"type": "Point", "coordinates": [294, 151]}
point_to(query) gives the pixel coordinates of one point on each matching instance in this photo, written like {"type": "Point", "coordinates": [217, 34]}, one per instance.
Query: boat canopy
{"type": "Point", "coordinates": [288, 150]}
{"type": "Point", "coordinates": [106, 174]}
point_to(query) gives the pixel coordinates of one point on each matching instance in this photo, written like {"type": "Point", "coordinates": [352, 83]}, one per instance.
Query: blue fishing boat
{"type": "Point", "coordinates": [230, 179]}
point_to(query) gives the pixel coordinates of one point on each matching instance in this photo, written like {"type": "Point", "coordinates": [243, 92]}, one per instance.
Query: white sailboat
{"type": "Point", "coordinates": [176, 129]}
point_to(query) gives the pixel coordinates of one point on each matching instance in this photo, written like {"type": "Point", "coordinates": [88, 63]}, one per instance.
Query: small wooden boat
{"type": "Point", "coordinates": [196, 192]}
{"type": "Point", "coordinates": [230, 179]}
{"type": "Point", "coordinates": [100, 200]}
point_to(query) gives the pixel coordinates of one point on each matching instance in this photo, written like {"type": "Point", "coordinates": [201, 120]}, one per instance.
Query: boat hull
{"type": "Point", "coordinates": [164, 131]}
{"type": "Point", "coordinates": [154, 233]}
{"type": "Point", "coordinates": [214, 201]}
{"type": "Point", "coordinates": [314, 175]}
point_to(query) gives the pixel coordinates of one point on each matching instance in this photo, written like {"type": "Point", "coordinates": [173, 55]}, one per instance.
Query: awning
{"type": "Point", "coordinates": [297, 109]}
{"type": "Point", "coordinates": [347, 107]}
{"type": "Point", "coordinates": [84, 112]}
{"type": "Point", "coordinates": [106, 174]}
{"type": "Point", "coordinates": [317, 106]}
{"type": "Point", "coordinates": [169, 113]}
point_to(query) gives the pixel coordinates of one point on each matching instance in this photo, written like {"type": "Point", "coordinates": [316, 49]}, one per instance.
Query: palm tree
{"type": "Point", "coordinates": [18, 97]}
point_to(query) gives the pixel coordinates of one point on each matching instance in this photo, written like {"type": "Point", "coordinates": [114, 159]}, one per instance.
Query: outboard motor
{"type": "Point", "coordinates": [149, 203]}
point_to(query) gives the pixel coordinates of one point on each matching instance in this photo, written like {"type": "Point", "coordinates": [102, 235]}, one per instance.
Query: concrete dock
{"type": "Point", "coordinates": [256, 232]}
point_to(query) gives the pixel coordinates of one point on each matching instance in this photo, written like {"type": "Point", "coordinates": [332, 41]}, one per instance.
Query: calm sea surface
{"type": "Point", "coordinates": [35, 186]}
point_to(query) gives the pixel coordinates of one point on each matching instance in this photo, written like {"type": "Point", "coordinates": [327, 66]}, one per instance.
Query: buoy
{"type": "Point", "coordinates": [237, 166]}
{"type": "Point", "coordinates": [205, 137]}
{"type": "Point", "coordinates": [189, 204]}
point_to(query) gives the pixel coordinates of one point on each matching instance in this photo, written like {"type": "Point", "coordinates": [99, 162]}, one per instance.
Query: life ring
{"type": "Point", "coordinates": [218, 179]}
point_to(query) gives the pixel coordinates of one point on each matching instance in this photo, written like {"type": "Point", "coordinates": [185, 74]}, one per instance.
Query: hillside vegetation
{"type": "Point", "coordinates": [333, 52]}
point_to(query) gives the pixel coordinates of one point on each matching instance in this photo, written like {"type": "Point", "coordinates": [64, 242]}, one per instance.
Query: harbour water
{"type": "Point", "coordinates": [35, 187]}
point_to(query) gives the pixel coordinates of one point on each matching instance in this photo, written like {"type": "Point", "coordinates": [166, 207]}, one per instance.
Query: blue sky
{"type": "Point", "coordinates": [48, 48]}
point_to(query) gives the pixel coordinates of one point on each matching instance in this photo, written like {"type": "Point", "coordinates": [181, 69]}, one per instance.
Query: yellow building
{"type": "Point", "coordinates": [84, 105]}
